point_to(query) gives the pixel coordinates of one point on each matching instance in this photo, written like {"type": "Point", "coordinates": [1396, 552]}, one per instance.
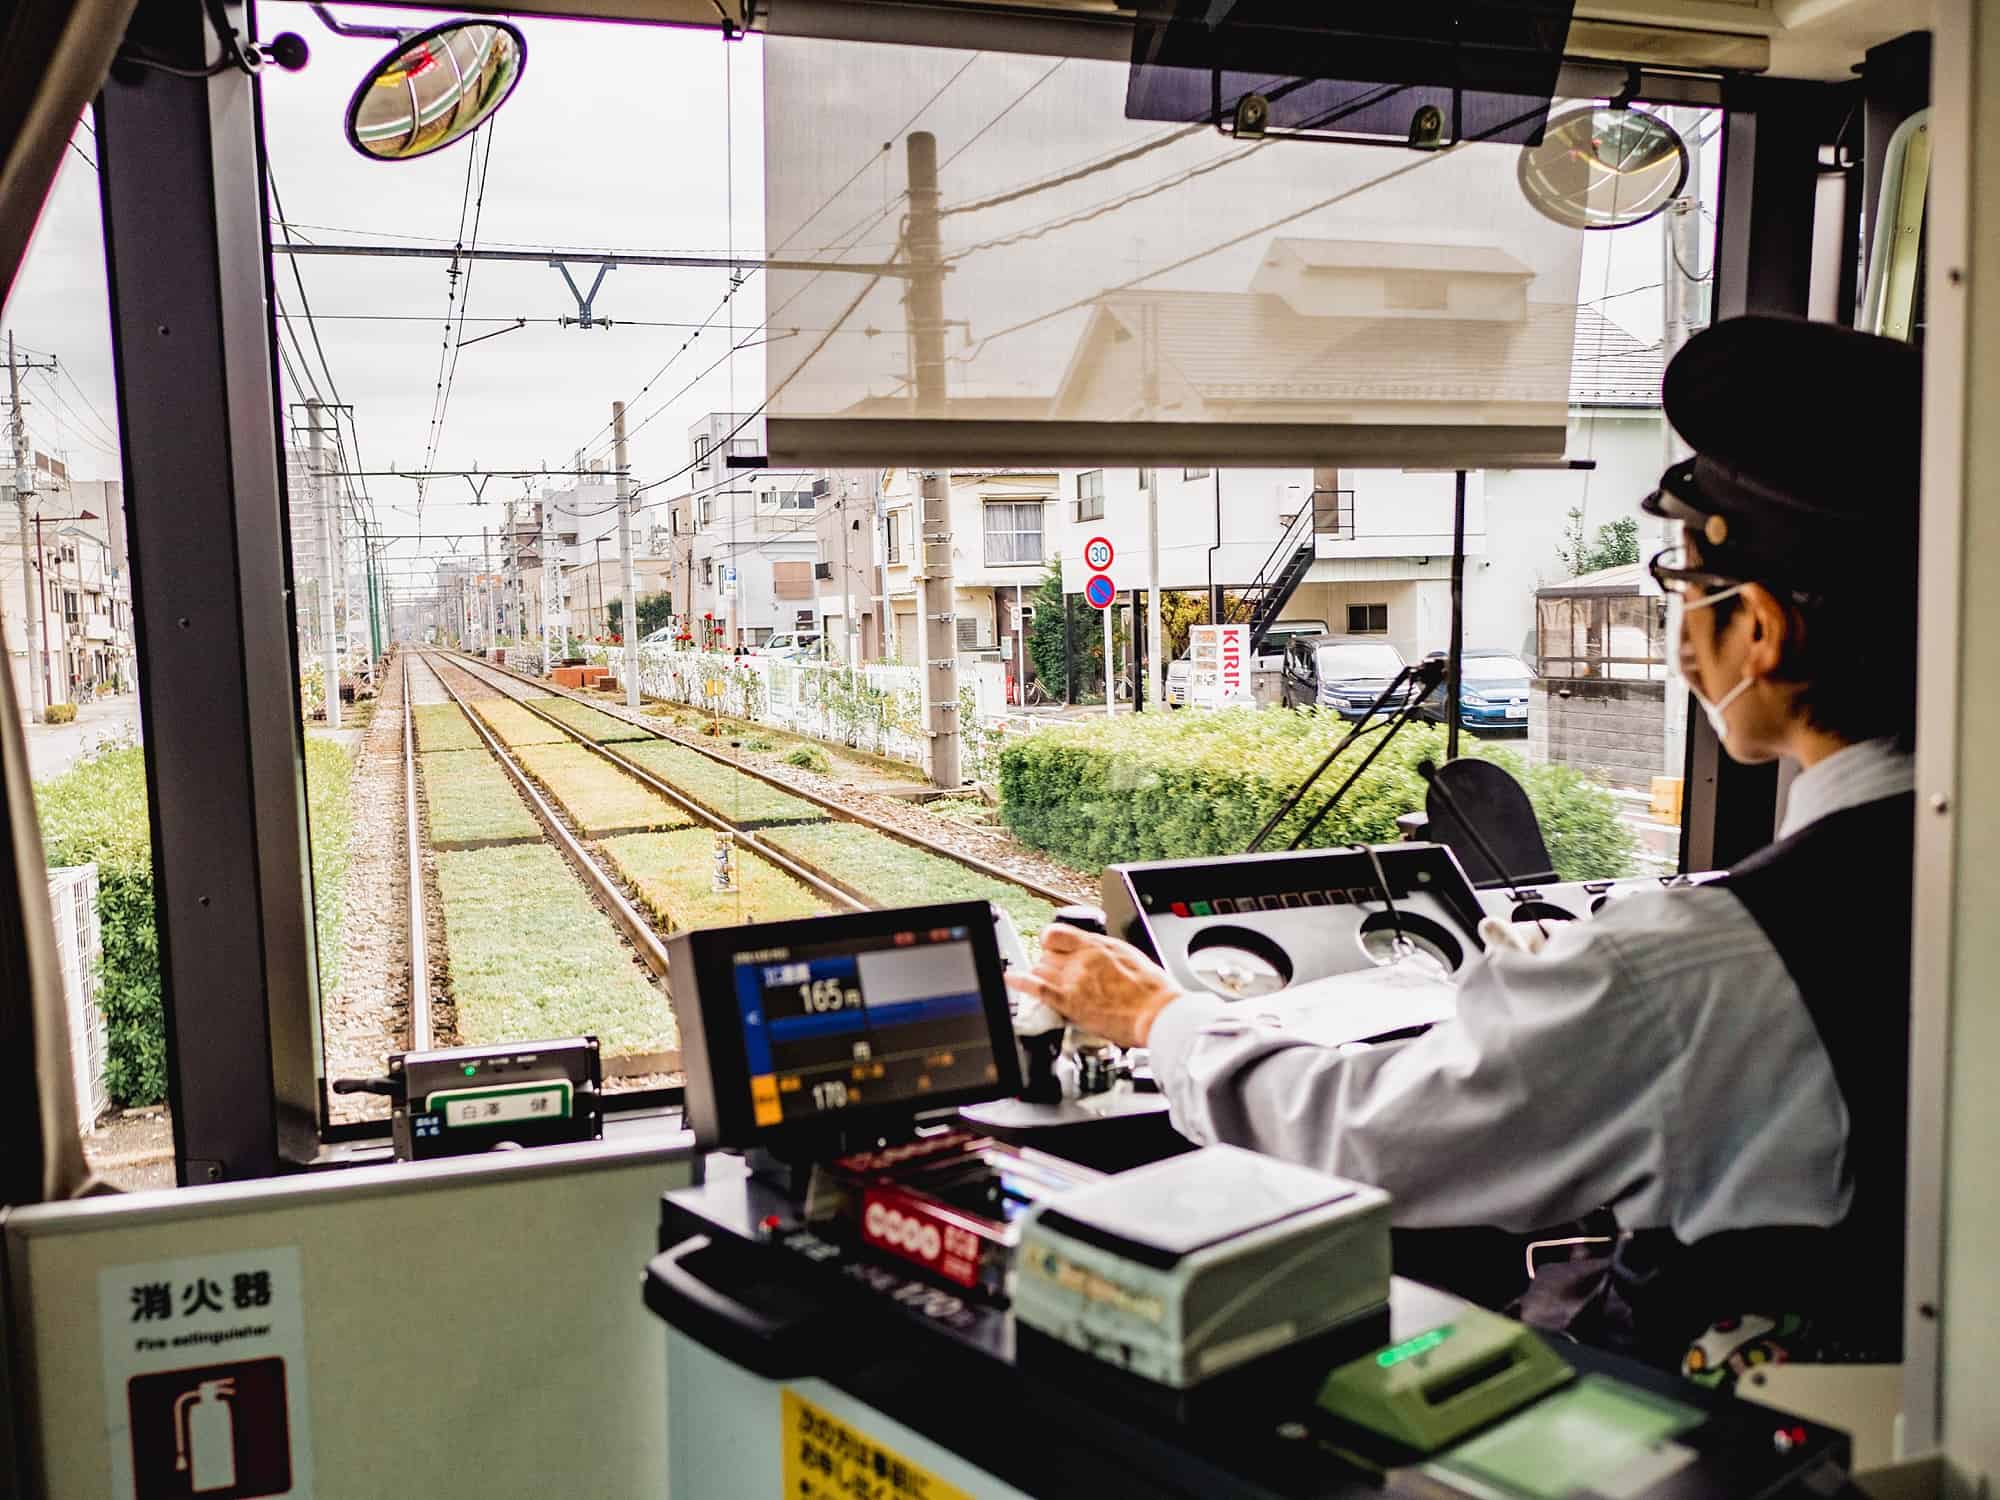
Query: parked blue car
{"type": "Point", "coordinates": [1492, 692]}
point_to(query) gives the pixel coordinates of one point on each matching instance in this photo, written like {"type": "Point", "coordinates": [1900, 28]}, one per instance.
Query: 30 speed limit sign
{"type": "Point", "coordinates": [1097, 554]}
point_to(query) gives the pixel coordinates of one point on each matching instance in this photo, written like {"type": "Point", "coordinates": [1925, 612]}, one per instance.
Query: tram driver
{"type": "Point", "coordinates": [1718, 1073]}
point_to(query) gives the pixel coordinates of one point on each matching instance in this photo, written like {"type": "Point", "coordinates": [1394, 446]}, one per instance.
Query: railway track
{"type": "Point", "coordinates": [603, 888]}
{"type": "Point", "coordinates": [516, 681]}
{"type": "Point", "coordinates": [797, 852]}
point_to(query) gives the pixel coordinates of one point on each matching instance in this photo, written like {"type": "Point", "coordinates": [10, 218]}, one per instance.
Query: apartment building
{"type": "Point", "coordinates": [75, 561]}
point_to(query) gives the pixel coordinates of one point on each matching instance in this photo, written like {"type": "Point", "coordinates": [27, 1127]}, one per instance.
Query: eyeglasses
{"type": "Point", "coordinates": [1675, 571]}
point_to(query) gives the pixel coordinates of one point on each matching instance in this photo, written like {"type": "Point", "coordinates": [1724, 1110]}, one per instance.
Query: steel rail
{"type": "Point", "coordinates": [838, 810]}
{"type": "Point", "coordinates": [420, 968]}
{"type": "Point", "coordinates": [630, 921]}
{"type": "Point", "coordinates": [835, 890]}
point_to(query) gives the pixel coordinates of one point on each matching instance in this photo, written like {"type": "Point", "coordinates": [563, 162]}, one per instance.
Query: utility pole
{"type": "Point", "coordinates": [937, 625]}
{"type": "Point", "coordinates": [630, 671]}
{"type": "Point", "coordinates": [329, 641]}
{"type": "Point", "coordinates": [24, 496]}
{"type": "Point", "coordinates": [846, 572]}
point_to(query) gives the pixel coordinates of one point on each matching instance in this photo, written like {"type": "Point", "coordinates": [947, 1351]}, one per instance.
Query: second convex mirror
{"type": "Point", "coordinates": [1604, 168]}
{"type": "Point", "coordinates": [435, 88]}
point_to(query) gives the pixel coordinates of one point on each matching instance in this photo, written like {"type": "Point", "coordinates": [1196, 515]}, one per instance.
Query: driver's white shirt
{"type": "Point", "coordinates": [1657, 1058]}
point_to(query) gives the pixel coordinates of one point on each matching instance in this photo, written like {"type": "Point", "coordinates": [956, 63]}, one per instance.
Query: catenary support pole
{"type": "Point", "coordinates": [630, 670]}
{"type": "Point", "coordinates": [328, 640]}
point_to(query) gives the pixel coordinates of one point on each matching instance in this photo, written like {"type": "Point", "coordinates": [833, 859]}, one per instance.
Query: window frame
{"type": "Point", "coordinates": [193, 144]}
{"type": "Point", "coordinates": [1094, 500]}
{"type": "Point", "coordinates": [1038, 507]}
{"type": "Point", "coordinates": [1367, 627]}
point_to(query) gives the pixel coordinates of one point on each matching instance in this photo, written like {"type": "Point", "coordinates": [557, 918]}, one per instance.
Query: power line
{"type": "Point", "coordinates": [84, 154]}
{"type": "Point", "coordinates": [799, 229]}
{"type": "Point", "coordinates": [444, 405]}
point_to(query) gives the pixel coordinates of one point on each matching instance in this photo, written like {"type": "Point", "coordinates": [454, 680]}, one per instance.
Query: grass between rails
{"type": "Point", "coordinates": [672, 872]}
{"type": "Point", "coordinates": [598, 797]}
{"type": "Point", "coordinates": [897, 875]}
{"type": "Point", "coordinates": [532, 958]}
{"type": "Point", "coordinates": [469, 801]}
{"type": "Point", "coordinates": [443, 726]}
{"type": "Point", "coordinates": [740, 798]}
{"type": "Point", "coordinates": [600, 726]}
{"type": "Point", "coordinates": [515, 725]}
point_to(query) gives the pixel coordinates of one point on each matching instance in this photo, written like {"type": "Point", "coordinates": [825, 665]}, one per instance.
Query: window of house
{"type": "Point", "coordinates": [707, 504]}
{"type": "Point", "coordinates": [791, 580]}
{"type": "Point", "coordinates": [794, 500]}
{"type": "Point", "coordinates": [69, 605]}
{"type": "Point", "coordinates": [701, 451]}
{"type": "Point", "coordinates": [1367, 619]}
{"type": "Point", "coordinates": [1013, 532]}
{"type": "Point", "coordinates": [744, 447]}
{"type": "Point", "coordinates": [708, 572]}
{"type": "Point", "coordinates": [1090, 495]}
{"type": "Point", "coordinates": [892, 530]}
{"type": "Point", "coordinates": [1194, 473]}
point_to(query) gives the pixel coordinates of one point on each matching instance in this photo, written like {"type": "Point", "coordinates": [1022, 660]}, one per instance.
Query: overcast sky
{"type": "Point", "coordinates": [619, 137]}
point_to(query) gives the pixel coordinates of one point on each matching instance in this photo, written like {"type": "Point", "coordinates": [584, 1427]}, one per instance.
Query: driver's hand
{"type": "Point", "coordinates": [1100, 984]}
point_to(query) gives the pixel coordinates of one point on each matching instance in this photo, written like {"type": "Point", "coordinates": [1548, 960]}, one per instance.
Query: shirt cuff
{"type": "Point", "coordinates": [1175, 1029]}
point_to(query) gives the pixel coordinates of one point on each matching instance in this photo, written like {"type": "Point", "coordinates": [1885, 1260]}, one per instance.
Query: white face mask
{"type": "Point", "coordinates": [1718, 711]}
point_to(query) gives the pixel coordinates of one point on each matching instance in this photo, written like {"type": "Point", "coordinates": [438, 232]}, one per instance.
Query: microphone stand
{"type": "Point", "coordinates": [1427, 676]}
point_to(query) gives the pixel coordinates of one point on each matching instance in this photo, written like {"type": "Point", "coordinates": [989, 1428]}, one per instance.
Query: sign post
{"type": "Point", "coordinates": [1102, 594]}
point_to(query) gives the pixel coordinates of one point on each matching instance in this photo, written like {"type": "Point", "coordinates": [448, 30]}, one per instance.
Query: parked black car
{"type": "Point", "coordinates": [1342, 672]}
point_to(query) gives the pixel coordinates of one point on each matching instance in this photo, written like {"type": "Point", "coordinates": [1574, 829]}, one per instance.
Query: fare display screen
{"type": "Point", "coordinates": [862, 1022]}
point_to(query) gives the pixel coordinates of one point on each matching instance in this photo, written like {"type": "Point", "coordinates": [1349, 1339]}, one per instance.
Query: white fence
{"type": "Point", "coordinates": [73, 903]}
{"type": "Point", "coordinates": [877, 708]}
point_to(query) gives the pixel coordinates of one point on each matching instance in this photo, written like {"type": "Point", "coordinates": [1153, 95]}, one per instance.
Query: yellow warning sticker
{"type": "Point", "coordinates": [825, 1459]}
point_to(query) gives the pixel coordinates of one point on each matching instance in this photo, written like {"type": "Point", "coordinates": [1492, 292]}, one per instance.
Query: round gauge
{"type": "Point", "coordinates": [1410, 938]}
{"type": "Point", "coordinates": [1237, 963]}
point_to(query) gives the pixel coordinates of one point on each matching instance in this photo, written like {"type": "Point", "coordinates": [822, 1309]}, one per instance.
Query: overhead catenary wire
{"type": "Point", "coordinates": [837, 248]}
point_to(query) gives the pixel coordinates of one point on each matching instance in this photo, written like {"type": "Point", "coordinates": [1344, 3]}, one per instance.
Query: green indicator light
{"type": "Point", "coordinates": [1423, 1343]}
{"type": "Point", "coordinates": [470, 1069]}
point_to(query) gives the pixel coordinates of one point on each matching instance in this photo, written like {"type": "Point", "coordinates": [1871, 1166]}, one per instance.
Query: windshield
{"type": "Point", "coordinates": [1359, 661]}
{"type": "Point", "coordinates": [1494, 669]}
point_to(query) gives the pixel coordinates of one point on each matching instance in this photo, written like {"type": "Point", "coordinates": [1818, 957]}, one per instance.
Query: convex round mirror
{"type": "Point", "coordinates": [436, 87]}
{"type": "Point", "coordinates": [1602, 168]}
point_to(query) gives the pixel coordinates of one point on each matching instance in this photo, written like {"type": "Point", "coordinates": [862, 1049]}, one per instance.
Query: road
{"type": "Point", "coordinates": [54, 748]}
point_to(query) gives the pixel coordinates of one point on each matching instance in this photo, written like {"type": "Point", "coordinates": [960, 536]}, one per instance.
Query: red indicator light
{"type": "Point", "coordinates": [1180, 908]}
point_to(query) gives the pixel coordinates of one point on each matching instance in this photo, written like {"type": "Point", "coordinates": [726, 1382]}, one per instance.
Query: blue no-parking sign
{"type": "Point", "coordinates": [1100, 591]}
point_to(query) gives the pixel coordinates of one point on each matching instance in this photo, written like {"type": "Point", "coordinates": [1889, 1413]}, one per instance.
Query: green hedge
{"type": "Point", "coordinates": [1178, 786]}
{"type": "Point", "coordinates": [96, 813]}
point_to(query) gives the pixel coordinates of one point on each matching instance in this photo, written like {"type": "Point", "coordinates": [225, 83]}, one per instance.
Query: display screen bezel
{"type": "Point", "coordinates": [715, 1057]}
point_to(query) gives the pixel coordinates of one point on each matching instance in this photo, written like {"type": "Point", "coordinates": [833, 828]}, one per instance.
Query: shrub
{"type": "Point", "coordinates": [59, 713]}
{"type": "Point", "coordinates": [96, 812]}
{"type": "Point", "coordinates": [806, 758]}
{"type": "Point", "coordinates": [1185, 785]}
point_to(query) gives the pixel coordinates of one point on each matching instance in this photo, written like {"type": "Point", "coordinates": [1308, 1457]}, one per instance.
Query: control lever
{"type": "Point", "coordinates": [391, 1088]}
{"type": "Point", "coordinates": [1058, 1061]}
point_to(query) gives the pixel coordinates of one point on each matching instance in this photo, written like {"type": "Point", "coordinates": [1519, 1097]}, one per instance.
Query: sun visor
{"type": "Point", "coordinates": [1486, 68]}
{"type": "Point", "coordinates": [977, 257]}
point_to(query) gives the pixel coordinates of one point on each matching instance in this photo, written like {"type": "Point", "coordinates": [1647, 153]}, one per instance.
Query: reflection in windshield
{"type": "Point", "coordinates": [1359, 661]}
{"type": "Point", "coordinates": [1494, 669]}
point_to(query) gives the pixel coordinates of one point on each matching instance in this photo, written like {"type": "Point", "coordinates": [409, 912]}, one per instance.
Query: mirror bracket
{"type": "Point", "coordinates": [347, 28]}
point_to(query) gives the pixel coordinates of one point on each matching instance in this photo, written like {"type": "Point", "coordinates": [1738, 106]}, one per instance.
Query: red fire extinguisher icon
{"type": "Point", "coordinates": [205, 1436]}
